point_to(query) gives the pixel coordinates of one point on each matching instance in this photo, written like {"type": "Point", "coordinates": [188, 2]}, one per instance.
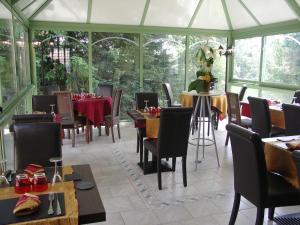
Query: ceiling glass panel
{"type": "Point", "coordinates": [117, 12]}
{"type": "Point", "coordinates": [28, 11]}
{"type": "Point", "coordinates": [298, 1]}
{"type": "Point", "coordinates": [173, 13]}
{"type": "Point", "coordinates": [21, 4]}
{"type": "Point", "coordinates": [211, 16]}
{"type": "Point", "coordinates": [236, 12]}
{"type": "Point", "coordinates": [270, 11]}
{"type": "Point", "coordinates": [4, 12]}
{"type": "Point", "coordinates": [64, 11]}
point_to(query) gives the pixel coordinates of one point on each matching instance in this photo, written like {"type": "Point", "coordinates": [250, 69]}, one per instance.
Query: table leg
{"type": "Point", "coordinates": [141, 140]}
{"type": "Point", "coordinates": [87, 131]}
{"type": "Point", "coordinates": [199, 129]}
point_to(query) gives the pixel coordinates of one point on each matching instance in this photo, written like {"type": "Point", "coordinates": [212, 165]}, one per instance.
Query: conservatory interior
{"type": "Point", "coordinates": [185, 75]}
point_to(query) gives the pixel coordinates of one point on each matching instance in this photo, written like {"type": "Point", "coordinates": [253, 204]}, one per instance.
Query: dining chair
{"type": "Point", "coordinates": [234, 113]}
{"type": "Point", "coordinates": [169, 95]}
{"type": "Point", "coordinates": [30, 118]}
{"type": "Point", "coordinates": [291, 118]}
{"type": "Point", "coordinates": [261, 121]}
{"type": "Point", "coordinates": [36, 143]}
{"type": "Point", "coordinates": [44, 103]}
{"type": "Point", "coordinates": [296, 98]}
{"type": "Point", "coordinates": [242, 93]}
{"type": "Point", "coordinates": [252, 180]}
{"type": "Point", "coordinates": [104, 90]}
{"type": "Point", "coordinates": [140, 98]}
{"type": "Point", "coordinates": [172, 139]}
{"type": "Point", "coordinates": [66, 112]}
{"type": "Point", "coordinates": [114, 117]}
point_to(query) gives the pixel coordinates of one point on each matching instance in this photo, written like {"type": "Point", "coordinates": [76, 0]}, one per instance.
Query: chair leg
{"type": "Point", "coordinates": [106, 130]}
{"type": "Point", "coordinates": [112, 133]}
{"type": "Point", "coordinates": [69, 133]}
{"type": "Point", "coordinates": [173, 164]}
{"type": "Point", "coordinates": [82, 129]}
{"type": "Point", "coordinates": [77, 130]}
{"type": "Point", "coordinates": [99, 129]}
{"type": "Point", "coordinates": [235, 208]}
{"type": "Point", "coordinates": [271, 213]}
{"type": "Point", "coordinates": [227, 139]}
{"type": "Point", "coordinates": [217, 121]}
{"type": "Point", "coordinates": [159, 172]}
{"type": "Point", "coordinates": [73, 137]}
{"type": "Point", "coordinates": [145, 164]}
{"type": "Point", "coordinates": [184, 171]}
{"type": "Point", "coordinates": [137, 142]}
{"type": "Point", "coordinates": [119, 133]}
{"type": "Point", "coordinates": [260, 216]}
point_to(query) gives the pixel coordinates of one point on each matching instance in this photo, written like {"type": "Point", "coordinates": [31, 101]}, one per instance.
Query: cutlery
{"type": "Point", "coordinates": [51, 198]}
{"type": "Point", "coordinates": [58, 209]}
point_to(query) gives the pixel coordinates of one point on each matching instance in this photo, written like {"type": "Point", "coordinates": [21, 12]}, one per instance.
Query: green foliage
{"type": "Point", "coordinates": [78, 79]}
{"type": "Point", "coordinates": [57, 75]}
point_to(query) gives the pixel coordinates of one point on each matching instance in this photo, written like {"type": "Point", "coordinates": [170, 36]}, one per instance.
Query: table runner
{"type": "Point", "coordinates": [280, 160]}
{"type": "Point", "coordinates": [220, 102]}
{"type": "Point", "coordinates": [71, 204]}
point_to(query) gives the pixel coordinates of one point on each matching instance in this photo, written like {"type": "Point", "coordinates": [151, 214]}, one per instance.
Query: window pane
{"type": "Point", "coordinates": [247, 59]}
{"type": "Point", "coordinates": [219, 66]}
{"type": "Point", "coordinates": [282, 59]}
{"type": "Point", "coordinates": [164, 61]}
{"type": "Point", "coordinates": [116, 62]}
{"type": "Point", "coordinates": [7, 59]}
{"type": "Point", "coordinates": [62, 60]}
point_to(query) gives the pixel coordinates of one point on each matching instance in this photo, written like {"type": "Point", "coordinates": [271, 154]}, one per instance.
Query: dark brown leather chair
{"type": "Point", "coordinates": [104, 90]}
{"type": "Point", "coordinates": [261, 121]}
{"type": "Point", "coordinates": [234, 113]}
{"type": "Point", "coordinates": [291, 117]}
{"type": "Point", "coordinates": [172, 139]}
{"type": "Point", "coordinates": [296, 98]}
{"type": "Point", "coordinates": [169, 95]}
{"type": "Point", "coordinates": [114, 117]}
{"type": "Point", "coordinates": [242, 93]}
{"type": "Point", "coordinates": [42, 103]}
{"type": "Point", "coordinates": [251, 178]}
{"type": "Point", "coordinates": [36, 143]}
{"type": "Point", "coordinates": [30, 118]}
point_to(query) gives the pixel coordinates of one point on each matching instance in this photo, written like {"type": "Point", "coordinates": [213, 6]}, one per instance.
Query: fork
{"type": "Point", "coordinates": [58, 209]}
{"type": "Point", "coordinates": [51, 198]}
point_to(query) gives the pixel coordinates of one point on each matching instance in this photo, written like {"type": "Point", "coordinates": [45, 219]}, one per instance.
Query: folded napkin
{"type": "Point", "coordinates": [34, 168]}
{"type": "Point", "coordinates": [293, 146]}
{"type": "Point", "coordinates": [27, 204]}
{"type": "Point", "coordinates": [38, 112]}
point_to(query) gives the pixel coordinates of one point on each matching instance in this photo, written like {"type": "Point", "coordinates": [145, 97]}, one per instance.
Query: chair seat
{"type": "Point", "coordinates": [281, 192]}
{"type": "Point", "coordinates": [67, 122]}
{"type": "Point", "coordinates": [246, 121]}
{"type": "Point", "coordinates": [277, 131]}
{"type": "Point", "coordinates": [151, 145]}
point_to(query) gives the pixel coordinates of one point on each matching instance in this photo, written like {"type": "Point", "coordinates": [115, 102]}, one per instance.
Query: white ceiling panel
{"type": "Point", "coordinates": [298, 1]}
{"type": "Point", "coordinates": [64, 11]}
{"type": "Point", "coordinates": [239, 16]}
{"type": "Point", "coordinates": [28, 11]}
{"type": "Point", "coordinates": [4, 12]}
{"type": "Point", "coordinates": [127, 12]}
{"type": "Point", "coordinates": [211, 16]}
{"type": "Point", "coordinates": [270, 11]}
{"type": "Point", "coordinates": [172, 13]}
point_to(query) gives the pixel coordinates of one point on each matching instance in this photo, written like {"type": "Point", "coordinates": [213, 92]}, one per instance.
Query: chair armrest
{"type": "Point", "coordinates": [296, 158]}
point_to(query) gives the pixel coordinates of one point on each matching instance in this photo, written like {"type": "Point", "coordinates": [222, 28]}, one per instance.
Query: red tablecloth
{"type": "Point", "coordinates": [94, 108]}
{"type": "Point", "coordinates": [246, 109]}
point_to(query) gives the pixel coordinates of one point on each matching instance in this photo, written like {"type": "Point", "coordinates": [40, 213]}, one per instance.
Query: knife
{"type": "Point", "coordinates": [58, 209]}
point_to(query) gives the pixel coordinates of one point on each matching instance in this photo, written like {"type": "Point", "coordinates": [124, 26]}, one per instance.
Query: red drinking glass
{"type": "Point", "coordinates": [152, 111]}
{"type": "Point", "coordinates": [40, 182]}
{"type": "Point", "coordinates": [22, 183]}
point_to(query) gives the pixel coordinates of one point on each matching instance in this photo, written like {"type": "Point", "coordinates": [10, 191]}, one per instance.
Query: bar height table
{"type": "Point", "coordinates": [204, 98]}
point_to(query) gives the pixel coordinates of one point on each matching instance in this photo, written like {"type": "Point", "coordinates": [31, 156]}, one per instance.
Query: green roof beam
{"type": "Point", "coordinates": [37, 12]}
{"type": "Point", "coordinates": [195, 13]}
{"type": "Point", "coordinates": [33, 1]}
{"type": "Point", "coordinates": [226, 14]}
{"type": "Point", "coordinates": [15, 12]}
{"type": "Point", "coordinates": [145, 12]}
{"type": "Point", "coordinates": [89, 13]}
{"type": "Point", "coordinates": [250, 13]}
{"type": "Point", "coordinates": [294, 6]}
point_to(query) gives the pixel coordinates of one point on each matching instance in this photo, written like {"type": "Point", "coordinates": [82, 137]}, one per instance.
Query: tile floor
{"type": "Point", "coordinates": [131, 198]}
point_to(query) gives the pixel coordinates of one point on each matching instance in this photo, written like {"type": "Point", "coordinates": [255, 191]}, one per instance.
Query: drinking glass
{"type": "Point", "coordinates": [146, 109]}
{"type": "Point", "coordinates": [56, 175]}
{"type": "Point", "coordinates": [40, 182]}
{"type": "Point", "coordinates": [3, 179]}
{"type": "Point", "coordinates": [22, 184]}
{"type": "Point", "coordinates": [52, 109]}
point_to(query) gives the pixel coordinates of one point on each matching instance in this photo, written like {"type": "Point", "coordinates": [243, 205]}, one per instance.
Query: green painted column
{"type": "Point", "coordinates": [90, 59]}
{"type": "Point", "coordinates": [32, 60]}
{"type": "Point", "coordinates": [229, 63]}
{"type": "Point", "coordinates": [141, 58]}
{"type": "Point", "coordinates": [187, 52]}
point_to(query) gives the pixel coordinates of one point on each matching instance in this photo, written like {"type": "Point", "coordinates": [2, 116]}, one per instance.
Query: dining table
{"type": "Point", "coordinates": [79, 206]}
{"type": "Point", "coordinates": [94, 109]}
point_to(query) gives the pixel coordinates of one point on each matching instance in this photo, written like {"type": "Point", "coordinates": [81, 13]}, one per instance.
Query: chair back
{"type": "Point", "coordinates": [261, 122]}
{"type": "Point", "coordinates": [29, 118]}
{"type": "Point", "coordinates": [104, 90]}
{"type": "Point", "coordinates": [65, 105]}
{"type": "Point", "coordinates": [116, 103]}
{"type": "Point", "coordinates": [242, 93]}
{"type": "Point", "coordinates": [174, 131]}
{"type": "Point", "coordinates": [249, 165]}
{"type": "Point", "coordinates": [296, 98]}
{"type": "Point", "coordinates": [140, 98]}
{"type": "Point", "coordinates": [36, 143]}
{"type": "Point", "coordinates": [169, 93]}
{"type": "Point", "coordinates": [195, 99]}
{"type": "Point", "coordinates": [42, 103]}
{"type": "Point", "coordinates": [291, 117]}
{"type": "Point", "coordinates": [234, 109]}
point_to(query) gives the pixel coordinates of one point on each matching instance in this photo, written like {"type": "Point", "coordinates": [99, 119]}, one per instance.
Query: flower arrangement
{"type": "Point", "coordinates": [205, 58]}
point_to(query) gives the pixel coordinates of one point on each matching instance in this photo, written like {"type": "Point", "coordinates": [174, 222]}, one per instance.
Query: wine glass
{"type": "Point", "coordinates": [56, 175]}
{"type": "Point", "coordinates": [146, 109]}
{"type": "Point", "coordinates": [52, 109]}
{"type": "Point", "coordinates": [3, 179]}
